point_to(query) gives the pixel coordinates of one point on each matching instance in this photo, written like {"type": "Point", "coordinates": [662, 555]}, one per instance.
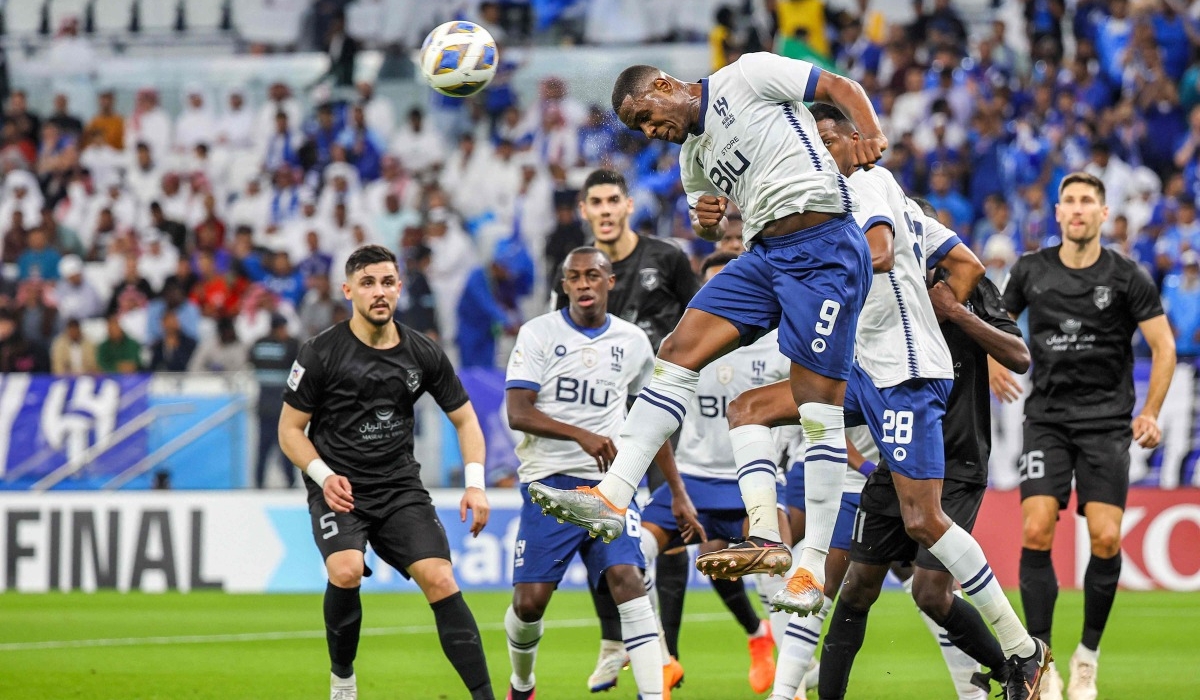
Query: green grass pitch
{"type": "Point", "coordinates": [212, 645]}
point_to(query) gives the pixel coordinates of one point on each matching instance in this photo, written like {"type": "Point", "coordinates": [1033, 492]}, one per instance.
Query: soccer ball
{"type": "Point", "coordinates": [459, 58]}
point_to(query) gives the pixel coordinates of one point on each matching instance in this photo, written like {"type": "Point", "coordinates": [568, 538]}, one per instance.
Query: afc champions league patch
{"type": "Point", "coordinates": [1102, 296]}
{"type": "Point", "coordinates": [725, 374]}
{"type": "Point", "coordinates": [649, 278]}
{"type": "Point", "coordinates": [294, 376]}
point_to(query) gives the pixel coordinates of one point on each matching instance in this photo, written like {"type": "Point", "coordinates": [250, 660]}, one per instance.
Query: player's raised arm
{"type": "Point", "coordinates": [474, 452]}
{"type": "Point", "coordinates": [298, 448]}
{"type": "Point", "coordinates": [1004, 346]}
{"type": "Point", "coordinates": [851, 98]}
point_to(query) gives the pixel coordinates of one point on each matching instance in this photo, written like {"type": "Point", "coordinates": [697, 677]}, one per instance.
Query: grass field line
{"type": "Point", "coordinates": [297, 634]}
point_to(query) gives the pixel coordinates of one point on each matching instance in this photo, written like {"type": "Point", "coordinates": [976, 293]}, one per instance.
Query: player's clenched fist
{"type": "Point", "coordinates": [710, 210]}
{"type": "Point", "coordinates": [868, 150]}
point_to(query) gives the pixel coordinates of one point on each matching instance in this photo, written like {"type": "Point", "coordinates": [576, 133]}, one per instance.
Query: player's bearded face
{"type": "Point", "coordinates": [374, 291]}
{"type": "Point", "coordinates": [606, 209]}
{"type": "Point", "coordinates": [1080, 212]}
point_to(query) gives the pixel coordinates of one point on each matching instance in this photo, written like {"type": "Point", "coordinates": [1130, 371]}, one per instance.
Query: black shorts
{"type": "Point", "coordinates": [879, 537]}
{"type": "Point", "coordinates": [1095, 454]}
{"type": "Point", "coordinates": [407, 535]}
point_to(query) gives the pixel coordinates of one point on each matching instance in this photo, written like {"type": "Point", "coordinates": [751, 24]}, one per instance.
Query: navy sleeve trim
{"type": "Point", "coordinates": [810, 90]}
{"type": "Point", "coordinates": [522, 384]}
{"type": "Point", "coordinates": [879, 220]}
{"type": "Point", "coordinates": [942, 251]}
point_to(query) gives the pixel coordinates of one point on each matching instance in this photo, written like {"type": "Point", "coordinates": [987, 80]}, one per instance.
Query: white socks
{"type": "Point", "coordinates": [639, 627]}
{"type": "Point", "coordinates": [523, 638]}
{"type": "Point", "coordinates": [824, 471]}
{"type": "Point", "coordinates": [767, 587]}
{"type": "Point", "coordinates": [650, 553]}
{"type": "Point", "coordinates": [654, 417]}
{"type": "Point", "coordinates": [962, 556]}
{"type": "Point", "coordinates": [960, 666]}
{"type": "Point", "coordinates": [754, 453]}
{"type": "Point", "coordinates": [797, 649]}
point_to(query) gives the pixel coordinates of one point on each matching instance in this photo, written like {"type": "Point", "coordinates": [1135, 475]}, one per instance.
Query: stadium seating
{"type": "Point", "coordinates": [157, 15]}
{"type": "Point", "coordinates": [61, 10]}
{"type": "Point", "coordinates": [204, 15]}
{"type": "Point", "coordinates": [23, 18]}
{"type": "Point", "coordinates": [111, 16]}
{"type": "Point", "coordinates": [276, 23]}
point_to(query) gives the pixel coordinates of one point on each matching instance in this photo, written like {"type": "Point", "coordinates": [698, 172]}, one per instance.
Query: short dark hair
{"type": "Point", "coordinates": [720, 258]}
{"type": "Point", "coordinates": [822, 111]}
{"type": "Point", "coordinates": [925, 206]}
{"type": "Point", "coordinates": [605, 263]}
{"type": "Point", "coordinates": [632, 83]}
{"type": "Point", "coordinates": [1083, 178]}
{"type": "Point", "coordinates": [368, 255]}
{"type": "Point", "coordinates": [604, 176]}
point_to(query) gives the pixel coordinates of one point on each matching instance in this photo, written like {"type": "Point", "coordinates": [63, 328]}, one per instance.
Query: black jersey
{"type": "Point", "coordinates": [654, 285]}
{"type": "Point", "coordinates": [1081, 323]}
{"type": "Point", "coordinates": [967, 427]}
{"type": "Point", "coordinates": [361, 400]}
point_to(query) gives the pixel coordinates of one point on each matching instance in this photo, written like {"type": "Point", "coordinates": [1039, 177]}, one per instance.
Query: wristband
{"type": "Point", "coordinates": [473, 475]}
{"type": "Point", "coordinates": [318, 471]}
{"type": "Point", "coordinates": [867, 467]}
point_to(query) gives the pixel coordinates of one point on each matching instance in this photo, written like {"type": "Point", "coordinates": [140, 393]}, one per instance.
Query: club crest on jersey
{"type": "Point", "coordinates": [589, 357]}
{"type": "Point", "coordinates": [1071, 326]}
{"type": "Point", "coordinates": [1102, 296]}
{"type": "Point", "coordinates": [649, 278]}
{"type": "Point", "coordinates": [413, 379]}
{"type": "Point", "coordinates": [721, 107]}
{"type": "Point", "coordinates": [725, 374]}
{"type": "Point", "coordinates": [618, 356]}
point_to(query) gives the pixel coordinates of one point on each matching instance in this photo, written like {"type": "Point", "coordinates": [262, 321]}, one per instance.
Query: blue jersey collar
{"type": "Point", "coordinates": [703, 106]}
{"type": "Point", "coordinates": [592, 333]}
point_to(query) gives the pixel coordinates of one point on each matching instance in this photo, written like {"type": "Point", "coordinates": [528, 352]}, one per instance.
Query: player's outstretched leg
{"type": "Point", "coordinates": [658, 412]}
{"type": "Point", "coordinates": [456, 626]}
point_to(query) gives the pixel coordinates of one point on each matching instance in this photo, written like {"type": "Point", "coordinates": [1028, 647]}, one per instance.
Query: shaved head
{"type": "Point", "coordinates": [633, 82]}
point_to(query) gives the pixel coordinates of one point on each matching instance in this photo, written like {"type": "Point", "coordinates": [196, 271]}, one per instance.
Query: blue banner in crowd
{"type": "Point", "coordinates": [46, 421]}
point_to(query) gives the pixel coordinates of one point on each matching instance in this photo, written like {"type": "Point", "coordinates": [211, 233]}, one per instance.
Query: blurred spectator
{"type": "Point", "coordinates": [38, 260]}
{"type": "Point", "coordinates": [722, 41]}
{"type": "Point", "coordinates": [12, 244]}
{"type": "Point", "coordinates": [487, 306]}
{"type": "Point", "coordinates": [158, 259]}
{"type": "Point", "coordinates": [172, 351]}
{"type": "Point", "coordinates": [378, 111]}
{"type": "Point", "coordinates": [281, 147]}
{"type": "Point", "coordinates": [221, 352]}
{"type": "Point", "coordinates": [452, 260]}
{"type": "Point", "coordinates": [418, 146]}
{"type": "Point", "coordinates": [62, 118]}
{"type": "Point", "coordinates": [71, 353]}
{"type": "Point", "coordinates": [213, 293]}
{"type": "Point", "coordinates": [342, 50]}
{"type": "Point", "coordinates": [259, 305]}
{"type": "Point", "coordinates": [101, 160]}
{"type": "Point", "coordinates": [317, 307]}
{"type": "Point", "coordinates": [107, 121]}
{"type": "Point", "coordinates": [70, 53]}
{"type": "Point", "coordinates": [76, 298]}
{"type": "Point", "coordinates": [131, 282]}
{"type": "Point", "coordinates": [149, 123]}
{"type": "Point", "coordinates": [197, 123]}
{"type": "Point", "coordinates": [22, 193]}
{"type": "Point", "coordinates": [235, 126]}
{"type": "Point", "coordinates": [175, 302]}
{"type": "Point", "coordinates": [1114, 172]}
{"type": "Point", "coordinates": [391, 223]}
{"type": "Point", "coordinates": [321, 139]}
{"type": "Point", "coordinates": [997, 222]}
{"type": "Point", "coordinates": [279, 99]}
{"type": "Point", "coordinates": [16, 353]}
{"type": "Point", "coordinates": [272, 358]}
{"type": "Point", "coordinates": [26, 125]}
{"type": "Point", "coordinates": [998, 256]}
{"type": "Point", "coordinates": [418, 308]}
{"type": "Point", "coordinates": [282, 280]}
{"type": "Point", "coordinates": [36, 312]}
{"type": "Point", "coordinates": [1181, 298]}
{"type": "Point", "coordinates": [118, 354]}
{"type": "Point", "coordinates": [364, 146]}
{"type": "Point", "coordinates": [315, 261]}
{"type": "Point", "coordinates": [944, 198]}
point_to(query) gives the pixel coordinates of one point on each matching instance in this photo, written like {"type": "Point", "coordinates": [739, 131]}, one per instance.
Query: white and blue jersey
{"type": "Point", "coordinates": [704, 456]}
{"type": "Point", "coordinates": [757, 144]}
{"type": "Point", "coordinates": [583, 377]}
{"type": "Point", "coordinates": [903, 372]}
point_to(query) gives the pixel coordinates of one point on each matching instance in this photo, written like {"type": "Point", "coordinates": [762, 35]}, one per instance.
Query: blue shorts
{"type": "Point", "coordinates": [719, 508]}
{"type": "Point", "coordinates": [843, 528]}
{"type": "Point", "coordinates": [811, 284]}
{"type": "Point", "coordinates": [545, 546]}
{"type": "Point", "coordinates": [905, 421]}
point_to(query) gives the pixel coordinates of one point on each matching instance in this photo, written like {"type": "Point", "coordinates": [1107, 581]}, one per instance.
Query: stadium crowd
{"type": "Point", "coordinates": [134, 239]}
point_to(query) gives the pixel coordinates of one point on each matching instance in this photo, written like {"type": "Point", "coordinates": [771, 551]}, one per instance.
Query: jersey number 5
{"type": "Point", "coordinates": [329, 525]}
